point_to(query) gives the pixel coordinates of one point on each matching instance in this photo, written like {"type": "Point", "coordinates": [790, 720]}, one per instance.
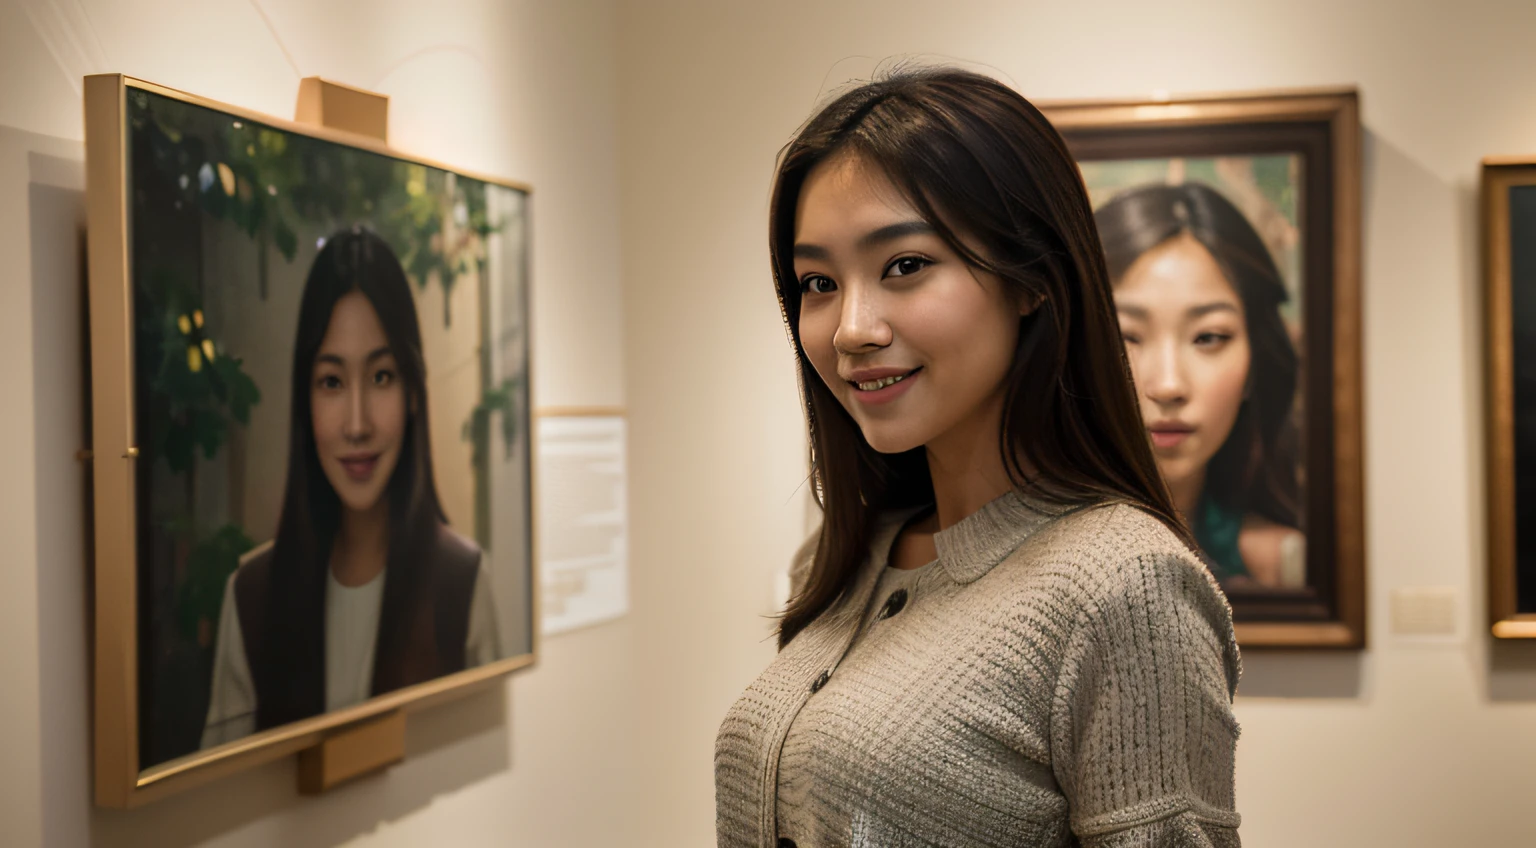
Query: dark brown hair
{"type": "Point", "coordinates": [1255, 468]}
{"type": "Point", "coordinates": [973, 157]}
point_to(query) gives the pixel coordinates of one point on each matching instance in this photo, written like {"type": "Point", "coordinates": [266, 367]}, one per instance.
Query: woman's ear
{"type": "Point", "coordinates": [1029, 303]}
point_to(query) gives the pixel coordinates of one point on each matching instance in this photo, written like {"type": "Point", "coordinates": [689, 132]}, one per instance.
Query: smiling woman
{"type": "Point", "coordinates": [1001, 634]}
{"type": "Point", "coordinates": [365, 589]}
{"type": "Point", "coordinates": [868, 263]}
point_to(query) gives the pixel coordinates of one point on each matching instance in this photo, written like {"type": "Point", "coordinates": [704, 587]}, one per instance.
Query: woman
{"type": "Point", "coordinates": [1000, 636]}
{"type": "Point", "coordinates": [1199, 297]}
{"type": "Point", "coordinates": [364, 589]}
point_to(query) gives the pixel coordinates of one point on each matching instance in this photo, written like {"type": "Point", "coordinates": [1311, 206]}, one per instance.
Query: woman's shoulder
{"type": "Point", "coordinates": [262, 553]}
{"type": "Point", "coordinates": [253, 568]}
{"type": "Point", "coordinates": [1132, 574]}
{"type": "Point", "coordinates": [456, 563]}
{"type": "Point", "coordinates": [1113, 536]}
{"type": "Point", "coordinates": [1273, 553]}
{"type": "Point", "coordinates": [452, 543]}
{"type": "Point", "coordinates": [1120, 554]}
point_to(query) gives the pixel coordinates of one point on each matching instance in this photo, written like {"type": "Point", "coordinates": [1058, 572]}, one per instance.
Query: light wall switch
{"type": "Point", "coordinates": [1421, 611]}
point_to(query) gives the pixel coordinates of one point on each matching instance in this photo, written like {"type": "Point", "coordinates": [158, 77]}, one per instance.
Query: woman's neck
{"type": "Point", "coordinates": [362, 545]}
{"type": "Point", "coordinates": [1186, 495]}
{"type": "Point", "coordinates": [967, 468]}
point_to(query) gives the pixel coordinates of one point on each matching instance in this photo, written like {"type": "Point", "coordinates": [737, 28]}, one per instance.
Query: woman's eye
{"type": "Point", "coordinates": [328, 381]}
{"type": "Point", "coordinates": [1211, 339]}
{"type": "Point", "coordinates": [906, 265]}
{"type": "Point", "coordinates": [816, 284]}
{"type": "Point", "coordinates": [383, 377]}
{"type": "Point", "coordinates": [1130, 338]}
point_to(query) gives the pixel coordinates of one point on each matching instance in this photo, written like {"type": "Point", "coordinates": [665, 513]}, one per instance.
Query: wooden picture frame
{"type": "Point", "coordinates": [340, 744]}
{"type": "Point", "coordinates": [1509, 291]}
{"type": "Point", "coordinates": [1317, 133]}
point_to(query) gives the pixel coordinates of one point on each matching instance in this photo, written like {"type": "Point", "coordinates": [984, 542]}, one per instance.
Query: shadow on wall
{"type": "Point", "coordinates": [1512, 670]}
{"type": "Point", "coordinates": [447, 748]}
{"type": "Point", "coordinates": [1297, 674]}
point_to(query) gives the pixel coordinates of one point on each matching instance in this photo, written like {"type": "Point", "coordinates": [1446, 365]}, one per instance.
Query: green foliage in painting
{"type": "Point", "coordinates": [266, 182]}
{"type": "Point", "coordinates": [195, 390]}
{"type": "Point", "coordinates": [499, 399]}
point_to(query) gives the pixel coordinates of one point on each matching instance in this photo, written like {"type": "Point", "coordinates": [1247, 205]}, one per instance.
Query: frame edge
{"type": "Point", "coordinates": [115, 671]}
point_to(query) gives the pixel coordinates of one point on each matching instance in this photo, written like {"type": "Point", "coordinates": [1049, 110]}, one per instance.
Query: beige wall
{"type": "Point", "coordinates": [522, 89]}
{"type": "Point", "coordinates": [1403, 745]}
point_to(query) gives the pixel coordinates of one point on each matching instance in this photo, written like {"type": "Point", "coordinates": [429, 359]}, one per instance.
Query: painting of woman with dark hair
{"type": "Point", "coordinates": [1199, 296]}
{"type": "Point", "coordinates": [364, 589]}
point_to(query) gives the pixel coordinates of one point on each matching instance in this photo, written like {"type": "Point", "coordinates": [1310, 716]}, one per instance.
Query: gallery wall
{"type": "Point", "coordinates": [526, 90]}
{"type": "Point", "coordinates": [1410, 743]}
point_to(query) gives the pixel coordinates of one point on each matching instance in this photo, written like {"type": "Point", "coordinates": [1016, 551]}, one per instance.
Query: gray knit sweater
{"type": "Point", "coordinates": [1050, 681]}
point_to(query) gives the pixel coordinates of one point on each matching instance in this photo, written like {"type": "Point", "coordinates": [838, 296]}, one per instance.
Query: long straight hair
{"type": "Point", "coordinates": [974, 157]}
{"type": "Point", "coordinates": [1255, 468]}
{"type": "Point", "coordinates": [352, 260]}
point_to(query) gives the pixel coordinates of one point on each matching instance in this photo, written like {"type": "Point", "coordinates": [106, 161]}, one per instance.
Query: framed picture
{"type": "Point", "coordinates": [1509, 266]}
{"type": "Point", "coordinates": [1231, 229]}
{"type": "Point", "coordinates": [311, 435]}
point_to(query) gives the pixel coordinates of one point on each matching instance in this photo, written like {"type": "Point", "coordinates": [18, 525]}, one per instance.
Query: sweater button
{"type": "Point", "coordinates": [820, 682]}
{"type": "Point", "coordinates": [894, 603]}
{"type": "Point", "coordinates": [786, 843]}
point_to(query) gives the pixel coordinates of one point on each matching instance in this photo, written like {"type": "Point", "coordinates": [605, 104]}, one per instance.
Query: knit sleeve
{"type": "Point", "coordinates": [1142, 731]}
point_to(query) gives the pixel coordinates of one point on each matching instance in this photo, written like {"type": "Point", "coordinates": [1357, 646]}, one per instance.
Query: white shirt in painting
{"type": "Point", "coordinates": [351, 632]}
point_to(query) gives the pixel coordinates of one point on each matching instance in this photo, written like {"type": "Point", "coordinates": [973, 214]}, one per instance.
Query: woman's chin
{"type": "Point", "coordinates": [360, 503]}
{"type": "Point", "coordinates": [888, 442]}
{"type": "Point", "coordinates": [356, 498]}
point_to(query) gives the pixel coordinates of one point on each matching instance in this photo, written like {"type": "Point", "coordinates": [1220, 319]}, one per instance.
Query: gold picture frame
{"type": "Point", "coordinates": [1320, 130]}
{"type": "Point", "coordinates": [376, 724]}
{"type": "Point", "coordinates": [1501, 177]}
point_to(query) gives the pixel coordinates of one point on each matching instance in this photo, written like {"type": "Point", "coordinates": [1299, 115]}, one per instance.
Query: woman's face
{"type": "Point", "coordinates": [1187, 338]}
{"type": "Point", "coordinates": [357, 404]}
{"type": "Point", "coordinates": [914, 342]}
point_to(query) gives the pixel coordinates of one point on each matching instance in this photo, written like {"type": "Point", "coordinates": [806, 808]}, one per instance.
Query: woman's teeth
{"type": "Point", "coordinates": [876, 385]}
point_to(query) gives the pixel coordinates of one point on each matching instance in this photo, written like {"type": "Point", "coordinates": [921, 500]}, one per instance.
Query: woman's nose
{"type": "Point", "coordinates": [359, 422]}
{"type": "Point", "coordinates": [860, 323]}
{"type": "Point", "coordinates": [1163, 378]}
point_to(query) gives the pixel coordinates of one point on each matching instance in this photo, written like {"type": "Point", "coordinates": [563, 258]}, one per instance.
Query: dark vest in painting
{"type": "Point", "coordinates": [423, 625]}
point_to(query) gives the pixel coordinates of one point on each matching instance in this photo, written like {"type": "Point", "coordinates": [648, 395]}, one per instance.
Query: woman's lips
{"type": "Point", "coordinates": [360, 468]}
{"type": "Point", "coordinates": [887, 394]}
{"type": "Point", "coordinates": [1170, 437]}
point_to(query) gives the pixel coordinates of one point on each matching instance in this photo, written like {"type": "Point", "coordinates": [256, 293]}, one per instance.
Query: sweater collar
{"type": "Point", "coordinates": [975, 544]}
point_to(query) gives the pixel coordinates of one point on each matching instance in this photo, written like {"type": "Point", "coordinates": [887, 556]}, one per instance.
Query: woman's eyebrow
{"type": "Point", "coordinates": [812, 251]}
{"type": "Point", "coordinates": [1198, 311]}
{"type": "Point", "coordinates": [338, 359]}
{"type": "Point", "coordinates": [892, 232]}
{"type": "Point", "coordinates": [873, 238]}
{"type": "Point", "coordinates": [1207, 308]}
